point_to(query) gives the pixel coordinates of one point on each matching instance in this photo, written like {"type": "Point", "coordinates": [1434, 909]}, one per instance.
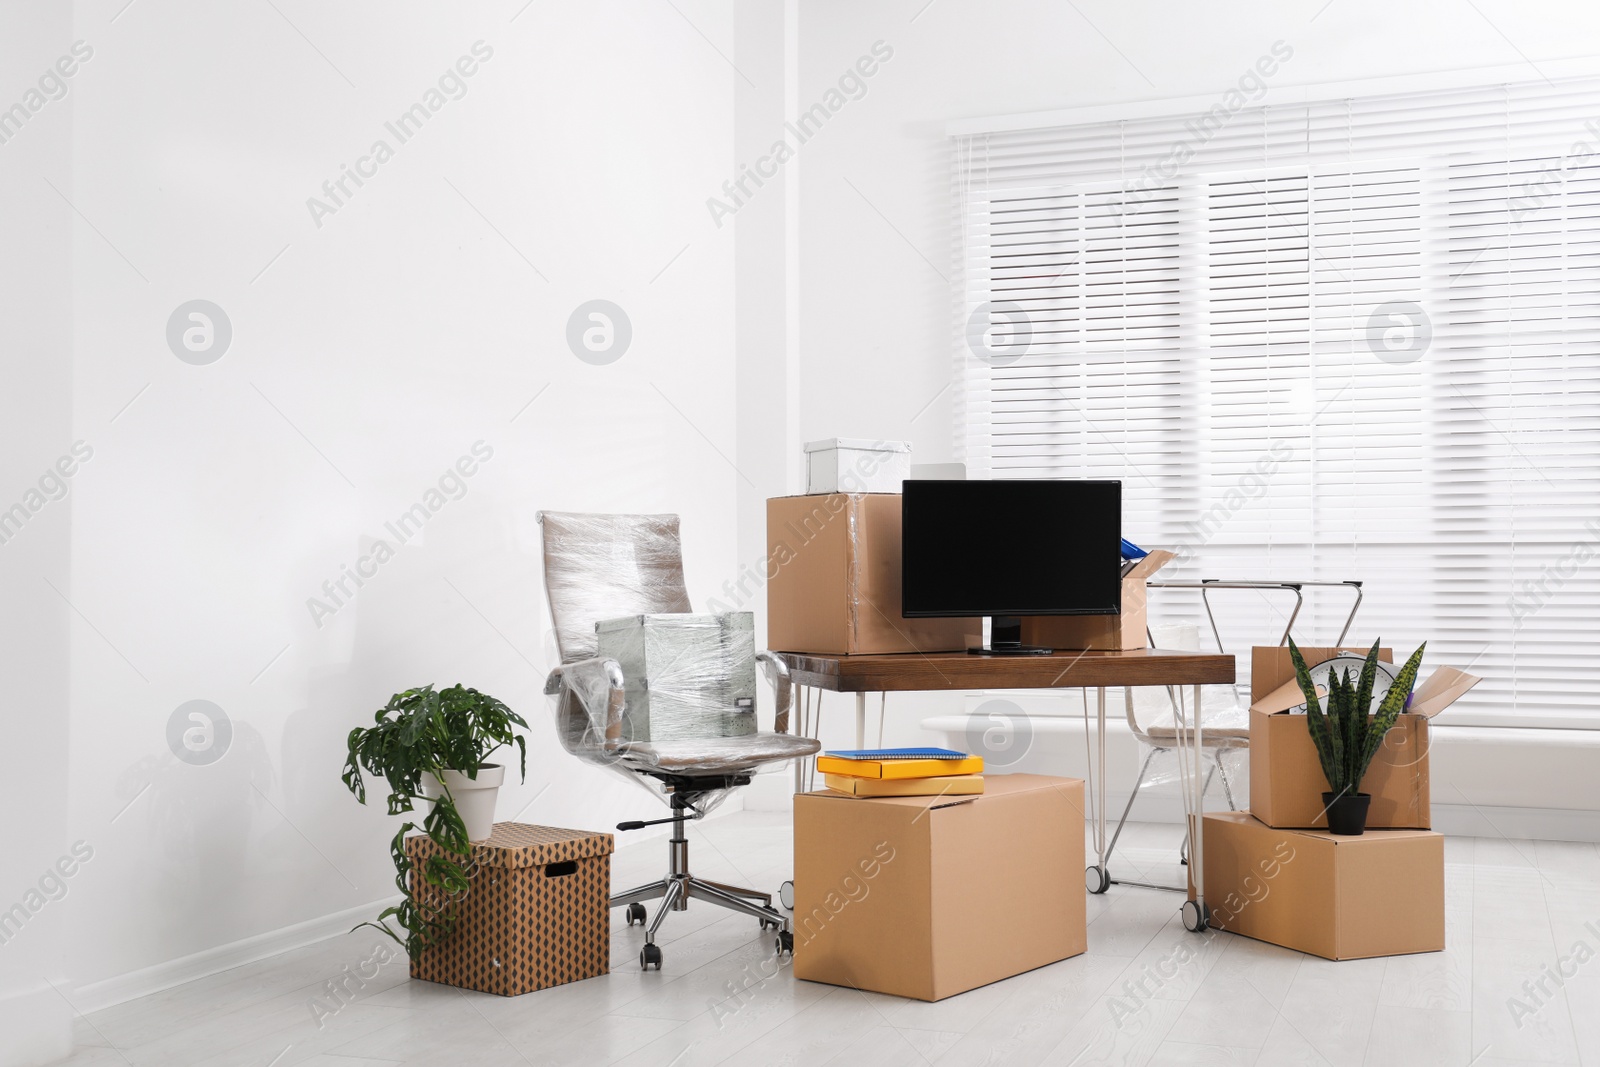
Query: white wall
{"type": "Point", "coordinates": [35, 430]}
{"type": "Point", "coordinates": [422, 317]}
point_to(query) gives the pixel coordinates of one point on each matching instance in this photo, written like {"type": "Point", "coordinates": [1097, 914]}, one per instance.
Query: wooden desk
{"type": "Point", "coordinates": [922, 672]}
{"type": "Point", "coordinates": [919, 672]}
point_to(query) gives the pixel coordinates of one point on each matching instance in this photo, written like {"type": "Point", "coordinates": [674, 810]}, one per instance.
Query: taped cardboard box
{"type": "Point", "coordinates": [1286, 779]}
{"type": "Point", "coordinates": [927, 897]}
{"type": "Point", "coordinates": [833, 570]}
{"type": "Point", "coordinates": [1341, 898]}
{"type": "Point", "coordinates": [1129, 629]}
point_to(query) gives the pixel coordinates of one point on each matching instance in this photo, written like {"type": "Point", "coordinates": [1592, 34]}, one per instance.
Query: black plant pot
{"type": "Point", "coordinates": [1347, 814]}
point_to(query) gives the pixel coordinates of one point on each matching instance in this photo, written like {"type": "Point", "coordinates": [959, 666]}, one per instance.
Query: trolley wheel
{"type": "Point", "coordinates": [1097, 879]}
{"type": "Point", "coordinates": [786, 895]}
{"type": "Point", "coordinates": [650, 954]}
{"type": "Point", "coordinates": [1196, 917]}
{"type": "Point", "coordinates": [636, 914]}
{"type": "Point", "coordinates": [770, 924]}
{"type": "Point", "coordinates": [785, 942]}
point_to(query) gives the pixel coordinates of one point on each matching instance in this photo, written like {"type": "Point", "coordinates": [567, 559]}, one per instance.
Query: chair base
{"type": "Point", "coordinates": [679, 887]}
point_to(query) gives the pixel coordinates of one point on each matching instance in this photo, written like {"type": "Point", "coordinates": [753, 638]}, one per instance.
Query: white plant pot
{"type": "Point", "coordinates": [475, 800]}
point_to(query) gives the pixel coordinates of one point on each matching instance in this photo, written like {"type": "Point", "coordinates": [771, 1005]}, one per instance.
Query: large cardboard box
{"type": "Point", "coordinates": [1342, 898]}
{"type": "Point", "coordinates": [927, 897]}
{"type": "Point", "coordinates": [537, 913]}
{"type": "Point", "coordinates": [833, 569]}
{"type": "Point", "coordinates": [1128, 629]}
{"type": "Point", "coordinates": [1286, 779]}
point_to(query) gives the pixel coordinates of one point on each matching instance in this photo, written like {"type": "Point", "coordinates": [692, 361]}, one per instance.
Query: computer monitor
{"type": "Point", "coordinates": [1008, 548]}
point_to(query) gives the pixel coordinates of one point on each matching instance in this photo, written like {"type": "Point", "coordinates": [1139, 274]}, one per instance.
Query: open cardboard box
{"type": "Point", "coordinates": [1286, 780]}
{"type": "Point", "coordinates": [1129, 629]}
{"type": "Point", "coordinates": [927, 897]}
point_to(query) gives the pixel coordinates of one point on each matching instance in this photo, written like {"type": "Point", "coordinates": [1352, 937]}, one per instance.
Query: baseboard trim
{"type": "Point", "coordinates": [141, 983]}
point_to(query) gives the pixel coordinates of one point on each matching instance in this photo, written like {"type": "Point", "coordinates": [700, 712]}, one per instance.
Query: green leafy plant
{"type": "Point", "coordinates": [421, 732]}
{"type": "Point", "coordinates": [1346, 738]}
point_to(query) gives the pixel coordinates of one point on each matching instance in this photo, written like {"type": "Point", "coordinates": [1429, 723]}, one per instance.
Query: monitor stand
{"type": "Point", "coordinates": [1005, 639]}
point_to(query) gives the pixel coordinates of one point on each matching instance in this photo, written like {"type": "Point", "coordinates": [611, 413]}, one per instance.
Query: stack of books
{"type": "Point", "coordinates": [902, 772]}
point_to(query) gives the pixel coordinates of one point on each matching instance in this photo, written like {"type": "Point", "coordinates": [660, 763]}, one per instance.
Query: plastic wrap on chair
{"type": "Point", "coordinates": [589, 698]}
{"type": "Point", "coordinates": [686, 676]}
{"type": "Point", "coordinates": [680, 706]}
{"type": "Point", "coordinates": [605, 566]}
{"type": "Point", "coordinates": [709, 755]}
{"type": "Point", "coordinates": [1225, 734]}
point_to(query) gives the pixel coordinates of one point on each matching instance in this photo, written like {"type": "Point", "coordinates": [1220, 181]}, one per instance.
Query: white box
{"type": "Point", "coordinates": [856, 465]}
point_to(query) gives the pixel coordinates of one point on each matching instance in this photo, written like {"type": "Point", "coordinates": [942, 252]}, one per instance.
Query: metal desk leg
{"type": "Point", "coordinates": [1196, 916]}
{"type": "Point", "coordinates": [1097, 879]}
{"type": "Point", "coordinates": [861, 720]}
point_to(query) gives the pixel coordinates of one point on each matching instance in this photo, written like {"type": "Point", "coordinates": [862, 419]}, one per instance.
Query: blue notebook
{"type": "Point", "coordinates": [896, 753]}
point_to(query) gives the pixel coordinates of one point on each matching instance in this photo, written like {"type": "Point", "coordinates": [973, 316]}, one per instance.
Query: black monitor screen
{"type": "Point", "coordinates": [1011, 548]}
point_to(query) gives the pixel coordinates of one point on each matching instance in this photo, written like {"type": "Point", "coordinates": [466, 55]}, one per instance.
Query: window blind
{"type": "Point", "coordinates": [1349, 339]}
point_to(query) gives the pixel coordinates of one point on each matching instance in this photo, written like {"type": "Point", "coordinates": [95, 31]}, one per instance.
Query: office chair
{"type": "Point", "coordinates": [599, 567]}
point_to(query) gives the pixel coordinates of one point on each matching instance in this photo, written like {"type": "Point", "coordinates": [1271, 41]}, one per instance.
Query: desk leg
{"type": "Point", "coordinates": [1097, 878]}
{"type": "Point", "coordinates": [861, 720]}
{"type": "Point", "coordinates": [1196, 916]}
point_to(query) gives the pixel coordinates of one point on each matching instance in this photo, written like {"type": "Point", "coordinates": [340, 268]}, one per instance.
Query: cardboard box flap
{"type": "Point", "coordinates": [1286, 696]}
{"type": "Point", "coordinates": [1444, 687]}
{"type": "Point", "coordinates": [1158, 558]}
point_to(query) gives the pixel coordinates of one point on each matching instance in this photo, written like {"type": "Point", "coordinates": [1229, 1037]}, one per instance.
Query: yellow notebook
{"type": "Point", "coordinates": [900, 768]}
{"type": "Point", "coordinates": [957, 786]}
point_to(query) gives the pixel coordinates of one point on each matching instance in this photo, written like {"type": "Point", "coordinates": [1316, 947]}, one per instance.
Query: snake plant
{"type": "Point", "coordinates": [423, 732]}
{"type": "Point", "coordinates": [1345, 737]}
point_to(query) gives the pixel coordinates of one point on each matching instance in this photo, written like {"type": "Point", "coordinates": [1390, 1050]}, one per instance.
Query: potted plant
{"type": "Point", "coordinates": [432, 745]}
{"type": "Point", "coordinates": [1348, 736]}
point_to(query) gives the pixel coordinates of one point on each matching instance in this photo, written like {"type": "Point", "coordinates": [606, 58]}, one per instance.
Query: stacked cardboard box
{"type": "Point", "coordinates": [1275, 873]}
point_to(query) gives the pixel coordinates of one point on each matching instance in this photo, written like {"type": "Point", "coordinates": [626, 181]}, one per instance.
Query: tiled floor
{"type": "Point", "coordinates": [1514, 909]}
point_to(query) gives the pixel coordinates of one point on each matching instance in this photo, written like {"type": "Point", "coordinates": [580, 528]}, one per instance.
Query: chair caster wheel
{"type": "Point", "coordinates": [785, 942]}
{"type": "Point", "coordinates": [636, 914]}
{"type": "Point", "coordinates": [650, 954]}
{"type": "Point", "coordinates": [770, 924]}
{"type": "Point", "coordinates": [1195, 916]}
{"type": "Point", "coordinates": [1097, 879]}
{"type": "Point", "coordinates": [786, 895]}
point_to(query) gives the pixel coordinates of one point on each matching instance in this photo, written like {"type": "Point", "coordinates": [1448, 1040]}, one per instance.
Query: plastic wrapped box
{"type": "Point", "coordinates": [686, 676]}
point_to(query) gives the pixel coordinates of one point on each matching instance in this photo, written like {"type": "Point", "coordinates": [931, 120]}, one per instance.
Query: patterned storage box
{"type": "Point", "coordinates": [536, 915]}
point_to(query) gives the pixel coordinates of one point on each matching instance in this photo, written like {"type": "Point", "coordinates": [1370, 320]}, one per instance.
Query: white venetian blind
{"type": "Point", "coordinates": [1353, 339]}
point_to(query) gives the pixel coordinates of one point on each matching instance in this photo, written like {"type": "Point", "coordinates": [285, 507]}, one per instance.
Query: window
{"type": "Point", "coordinates": [1356, 339]}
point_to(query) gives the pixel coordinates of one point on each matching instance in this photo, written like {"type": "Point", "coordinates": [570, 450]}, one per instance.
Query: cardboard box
{"type": "Point", "coordinates": [1286, 779]}
{"type": "Point", "coordinates": [1341, 898]}
{"type": "Point", "coordinates": [927, 897]}
{"type": "Point", "coordinates": [1129, 629]}
{"type": "Point", "coordinates": [537, 913]}
{"type": "Point", "coordinates": [833, 567]}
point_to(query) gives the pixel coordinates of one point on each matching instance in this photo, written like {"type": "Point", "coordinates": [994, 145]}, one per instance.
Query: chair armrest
{"type": "Point", "coordinates": [777, 673]}
{"type": "Point", "coordinates": [597, 684]}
